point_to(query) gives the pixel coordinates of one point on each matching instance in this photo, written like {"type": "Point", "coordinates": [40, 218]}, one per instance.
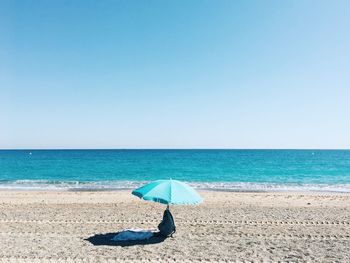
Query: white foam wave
{"type": "Point", "coordinates": [218, 186]}
{"type": "Point", "coordinates": [272, 187]}
{"type": "Point", "coordinates": [69, 185]}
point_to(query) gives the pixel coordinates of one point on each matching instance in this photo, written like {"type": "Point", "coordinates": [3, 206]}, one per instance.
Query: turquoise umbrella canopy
{"type": "Point", "coordinates": [168, 192]}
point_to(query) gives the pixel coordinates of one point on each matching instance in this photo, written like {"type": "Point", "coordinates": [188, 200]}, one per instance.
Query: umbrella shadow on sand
{"type": "Point", "coordinates": [106, 240]}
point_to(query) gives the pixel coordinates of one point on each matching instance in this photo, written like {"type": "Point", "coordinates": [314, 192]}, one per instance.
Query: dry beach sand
{"type": "Point", "coordinates": [227, 227]}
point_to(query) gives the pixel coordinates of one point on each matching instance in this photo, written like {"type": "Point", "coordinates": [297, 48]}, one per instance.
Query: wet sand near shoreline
{"type": "Point", "coordinates": [41, 226]}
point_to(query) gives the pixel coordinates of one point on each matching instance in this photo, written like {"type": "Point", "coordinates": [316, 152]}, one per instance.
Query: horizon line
{"type": "Point", "coordinates": [165, 149]}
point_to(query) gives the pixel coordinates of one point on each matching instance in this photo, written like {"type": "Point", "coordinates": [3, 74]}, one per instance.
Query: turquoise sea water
{"type": "Point", "coordinates": [314, 170]}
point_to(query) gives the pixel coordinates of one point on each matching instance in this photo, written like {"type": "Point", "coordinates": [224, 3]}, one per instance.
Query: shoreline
{"type": "Point", "coordinates": [116, 190]}
{"type": "Point", "coordinates": [217, 186]}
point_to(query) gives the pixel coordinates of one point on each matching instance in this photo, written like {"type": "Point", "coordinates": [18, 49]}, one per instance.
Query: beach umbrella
{"type": "Point", "coordinates": [168, 192]}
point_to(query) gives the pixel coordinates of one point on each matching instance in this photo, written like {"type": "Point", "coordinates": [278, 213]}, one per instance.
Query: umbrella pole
{"type": "Point", "coordinates": [167, 207]}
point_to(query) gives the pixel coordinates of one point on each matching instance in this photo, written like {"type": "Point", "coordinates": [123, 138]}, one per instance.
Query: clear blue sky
{"type": "Point", "coordinates": [174, 74]}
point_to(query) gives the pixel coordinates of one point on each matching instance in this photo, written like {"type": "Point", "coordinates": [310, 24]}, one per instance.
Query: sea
{"type": "Point", "coordinates": [222, 170]}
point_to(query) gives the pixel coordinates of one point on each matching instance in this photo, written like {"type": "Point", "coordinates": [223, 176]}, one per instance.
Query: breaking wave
{"type": "Point", "coordinates": [216, 186]}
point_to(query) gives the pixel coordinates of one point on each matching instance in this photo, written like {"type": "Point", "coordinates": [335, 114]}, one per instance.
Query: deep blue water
{"type": "Point", "coordinates": [326, 170]}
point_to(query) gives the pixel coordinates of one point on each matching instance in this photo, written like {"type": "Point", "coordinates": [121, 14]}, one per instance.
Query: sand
{"type": "Point", "coordinates": [227, 227]}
